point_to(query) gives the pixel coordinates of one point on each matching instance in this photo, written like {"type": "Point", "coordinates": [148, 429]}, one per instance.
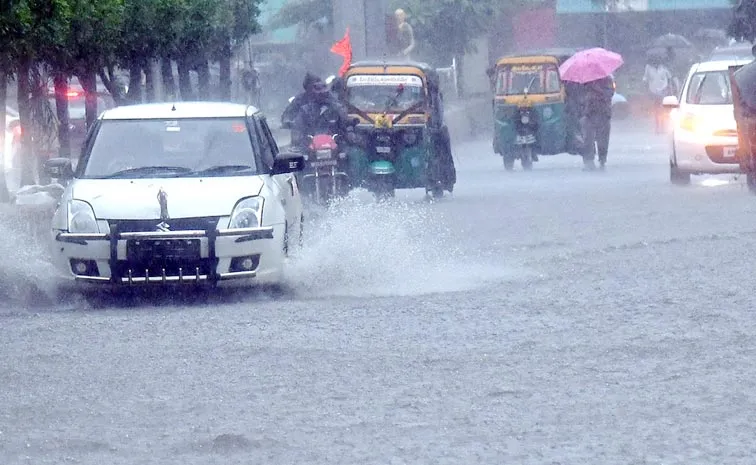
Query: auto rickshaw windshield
{"type": "Point", "coordinates": [536, 78]}
{"type": "Point", "coordinates": [376, 95]}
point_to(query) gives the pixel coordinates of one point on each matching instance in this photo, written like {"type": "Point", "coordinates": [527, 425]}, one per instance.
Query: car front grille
{"type": "Point", "coordinates": [177, 224]}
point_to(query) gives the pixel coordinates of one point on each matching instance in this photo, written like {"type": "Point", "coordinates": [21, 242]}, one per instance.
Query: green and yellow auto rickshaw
{"type": "Point", "coordinates": [401, 141]}
{"type": "Point", "coordinates": [532, 112]}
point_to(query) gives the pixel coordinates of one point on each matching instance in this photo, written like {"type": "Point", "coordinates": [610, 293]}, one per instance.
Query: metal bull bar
{"type": "Point", "coordinates": [184, 276]}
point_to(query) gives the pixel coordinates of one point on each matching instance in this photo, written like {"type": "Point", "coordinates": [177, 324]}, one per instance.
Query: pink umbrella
{"type": "Point", "coordinates": [590, 65]}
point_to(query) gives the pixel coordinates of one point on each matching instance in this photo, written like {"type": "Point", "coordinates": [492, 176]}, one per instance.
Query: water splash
{"type": "Point", "coordinates": [27, 279]}
{"type": "Point", "coordinates": [362, 248]}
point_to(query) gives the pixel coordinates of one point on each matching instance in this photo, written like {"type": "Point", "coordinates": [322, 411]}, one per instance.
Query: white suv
{"type": "Point", "coordinates": [704, 133]}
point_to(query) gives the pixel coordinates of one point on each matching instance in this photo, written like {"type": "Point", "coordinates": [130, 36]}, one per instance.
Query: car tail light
{"type": "Point", "coordinates": [73, 94]}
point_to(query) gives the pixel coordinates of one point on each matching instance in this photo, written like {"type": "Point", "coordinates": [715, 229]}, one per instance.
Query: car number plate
{"type": "Point", "coordinates": [383, 149]}
{"type": "Point", "coordinates": [319, 164]}
{"type": "Point", "coordinates": [729, 152]}
{"type": "Point", "coordinates": [162, 249]}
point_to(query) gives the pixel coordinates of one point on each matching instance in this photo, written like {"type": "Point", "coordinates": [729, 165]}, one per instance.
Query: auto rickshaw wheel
{"type": "Point", "coordinates": [508, 162]}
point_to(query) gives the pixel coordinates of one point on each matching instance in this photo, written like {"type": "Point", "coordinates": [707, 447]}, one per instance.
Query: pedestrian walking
{"type": "Point", "coordinates": [660, 84]}
{"type": "Point", "coordinates": [596, 121]}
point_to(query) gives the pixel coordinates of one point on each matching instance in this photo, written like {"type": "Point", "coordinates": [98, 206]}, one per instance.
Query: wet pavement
{"type": "Point", "coordinates": [547, 317]}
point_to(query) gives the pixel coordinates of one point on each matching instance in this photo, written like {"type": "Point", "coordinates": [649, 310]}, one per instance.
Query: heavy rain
{"type": "Point", "coordinates": [491, 232]}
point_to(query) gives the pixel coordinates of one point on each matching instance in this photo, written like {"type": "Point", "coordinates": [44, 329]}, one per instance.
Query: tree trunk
{"type": "Point", "coordinates": [60, 81]}
{"type": "Point", "coordinates": [135, 84]}
{"type": "Point", "coordinates": [225, 72]}
{"type": "Point", "coordinates": [112, 85]}
{"type": "Point", "coordinates": [203, 80]}
{"type": "Point", "coordinates": [185, 82]}
{"type": "Point", "coordinates": [24, 114]}
{"type": "Point", "coordinates": [169, 83]}
{"type": "Point", "coordinates": [4, 194]}
{"type": "Point", "coordinates": [149, 82]}
{"type": "Point", "coordinates": [89, 83]}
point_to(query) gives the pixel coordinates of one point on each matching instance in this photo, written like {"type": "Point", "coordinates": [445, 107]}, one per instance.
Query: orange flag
{"type": "Point", "coordinates": [343, 48]}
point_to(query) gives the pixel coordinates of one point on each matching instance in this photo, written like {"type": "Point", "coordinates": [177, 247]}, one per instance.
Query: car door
{"type": "Point", "coordinates": [285, 185]}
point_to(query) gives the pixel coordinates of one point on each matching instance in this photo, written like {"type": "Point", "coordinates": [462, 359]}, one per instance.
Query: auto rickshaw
{"type": "Point", "coordinates": [533, 114]}
{"type": "Point", "coordinates": [401, 140]}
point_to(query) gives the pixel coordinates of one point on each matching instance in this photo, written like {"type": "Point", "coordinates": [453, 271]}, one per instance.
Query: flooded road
{"type": "Point", "coordinates": [549, 317]}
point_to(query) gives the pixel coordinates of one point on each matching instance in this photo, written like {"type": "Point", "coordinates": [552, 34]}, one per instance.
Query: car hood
{"type": "Point", "coordinates": [133, 199]}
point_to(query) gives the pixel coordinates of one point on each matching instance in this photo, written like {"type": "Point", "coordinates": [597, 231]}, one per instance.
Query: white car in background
{"type": "Point", "coordinates": [177, 193]}
{"type": "Point", "coordinates": [704, 133]}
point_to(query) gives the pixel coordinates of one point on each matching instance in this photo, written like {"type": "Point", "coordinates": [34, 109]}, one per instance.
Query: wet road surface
{"type": "Point", "coordinates": [550, 317]}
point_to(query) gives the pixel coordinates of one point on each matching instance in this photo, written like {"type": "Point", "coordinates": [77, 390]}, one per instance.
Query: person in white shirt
{"type": "Point", "coordinates": [660, 83]}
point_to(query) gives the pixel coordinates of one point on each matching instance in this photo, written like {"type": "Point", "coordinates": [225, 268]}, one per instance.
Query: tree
{"type": "Point", "coordinates": [743, 23]}
{"type": "Point", "coordinates": [302, 12]}
{"type": "Point", "coordinates": [235, 21]}
{"type": "Point", "coordinates": [42, 25]}
{"type": "Point", "coordinates": [447, 28]}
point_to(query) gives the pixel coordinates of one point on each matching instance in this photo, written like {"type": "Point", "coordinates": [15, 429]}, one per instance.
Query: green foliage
{"type": "Point", "coordinates": [302, 12]}
{"type": "Point", "coordinates": [446, 27]}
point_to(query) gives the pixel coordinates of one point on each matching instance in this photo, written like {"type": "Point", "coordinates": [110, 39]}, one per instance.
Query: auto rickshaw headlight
{"type": "Point", "coordinates": [525, 118]}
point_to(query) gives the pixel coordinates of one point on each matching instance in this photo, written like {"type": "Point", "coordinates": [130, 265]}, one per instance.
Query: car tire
{"type": "Point", "coordinates": [678, 177]}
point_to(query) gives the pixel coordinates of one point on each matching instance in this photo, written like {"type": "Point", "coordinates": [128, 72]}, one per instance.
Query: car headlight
{"type": "Point", "coordinates": [81, 218]}
{"type": "Point", "coordinates": [247, 214]}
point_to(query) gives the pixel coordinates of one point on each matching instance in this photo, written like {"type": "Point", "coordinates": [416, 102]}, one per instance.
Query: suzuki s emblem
{"type": "Point", "coordinates": [162, 199]}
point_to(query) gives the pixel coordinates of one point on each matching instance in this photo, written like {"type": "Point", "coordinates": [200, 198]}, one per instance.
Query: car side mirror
{"type": "Point", "coordinates": [670, 101]}
{"type": "Point", "coordinates": [59, 168]}
{"type": "Point", "coordinates": [288, 163]}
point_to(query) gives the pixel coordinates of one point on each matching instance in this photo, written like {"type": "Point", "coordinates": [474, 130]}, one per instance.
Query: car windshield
{"type": "Point", "coordinates": [538, 79]}
{"type": "Point", "coordinates": [159, 148]}
{"type": "Point", "coordinates": [709, 88]}
{"type": "Point", "coordinates": [385, 93]}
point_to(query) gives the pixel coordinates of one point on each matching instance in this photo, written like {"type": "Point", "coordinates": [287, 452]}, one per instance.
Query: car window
{"type": "Point", "coordinates": [709, 88]}
{"type": "Point", "coordinates": [192, 144]}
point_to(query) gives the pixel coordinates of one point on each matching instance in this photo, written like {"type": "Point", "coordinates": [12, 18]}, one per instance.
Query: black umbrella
{"type": "Point", "coordinates": [671, 40]}
{"type": "Point", "coordinates": [745, 79]}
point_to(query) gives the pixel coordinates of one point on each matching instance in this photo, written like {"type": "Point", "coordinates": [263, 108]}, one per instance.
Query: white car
{"type": "Point", "coordinates": [173, 193]}
{"type": "Point", "coordinates": [704, 133]}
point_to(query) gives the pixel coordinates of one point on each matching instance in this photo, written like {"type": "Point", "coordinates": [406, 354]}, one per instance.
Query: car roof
{"type": "Point", "coordinates": [180, 110]}
{"type": "Point", "coordinates": [719, 65]}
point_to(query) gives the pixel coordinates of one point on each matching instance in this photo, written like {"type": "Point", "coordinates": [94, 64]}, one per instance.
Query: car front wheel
{"type": "Point", "coordinates": [677, 177]}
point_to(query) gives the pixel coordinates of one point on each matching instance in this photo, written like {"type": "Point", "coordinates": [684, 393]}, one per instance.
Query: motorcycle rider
{"type": "Point", "coordinates": [317, 111]}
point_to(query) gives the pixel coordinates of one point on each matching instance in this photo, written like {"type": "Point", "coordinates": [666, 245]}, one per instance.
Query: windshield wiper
{"type": "Point", "coordinates": [149, 170]}
{"type": "Point", "coordinates": [221, 169]}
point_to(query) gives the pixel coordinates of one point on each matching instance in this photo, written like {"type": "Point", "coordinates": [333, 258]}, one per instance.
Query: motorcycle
{"type": "Point", "coordinates": [324, 177]}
